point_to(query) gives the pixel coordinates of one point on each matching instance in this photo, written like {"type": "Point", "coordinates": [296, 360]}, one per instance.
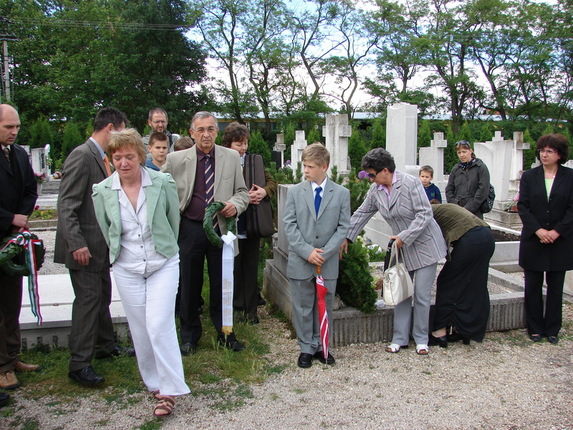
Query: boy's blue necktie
{"type": "Point", "coordinates": [317, 199]}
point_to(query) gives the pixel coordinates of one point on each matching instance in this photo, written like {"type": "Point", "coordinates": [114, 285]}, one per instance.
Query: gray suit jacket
{"type": "Point", "coordinates": [77, 223]}
{"type": "Point", "coordinates": [409, 214]}
{"type": "Point", "coordinates": [229, 183]}
{"type": "Point", "coordinates": [306, 231]}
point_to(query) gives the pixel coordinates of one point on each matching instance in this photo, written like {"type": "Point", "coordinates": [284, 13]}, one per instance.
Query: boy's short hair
{"type": "Point", "coordinates": [157, 136]}
{"type": "Point", "coordinates": [316, 153]}
{"type": "Point", "coordinates": [427, 169]}
{"type": "Point", "coordinates": [184, 142]}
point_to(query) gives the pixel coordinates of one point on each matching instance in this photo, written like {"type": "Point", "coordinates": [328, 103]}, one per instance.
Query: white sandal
{"type": "Point", "coordinates": [422, 349]}
{"type": "Point", "coordinates": [393, 348]}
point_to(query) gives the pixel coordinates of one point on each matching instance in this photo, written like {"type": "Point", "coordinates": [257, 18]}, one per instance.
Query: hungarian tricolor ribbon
{"type": "Point", "coordinates": [25, 240]}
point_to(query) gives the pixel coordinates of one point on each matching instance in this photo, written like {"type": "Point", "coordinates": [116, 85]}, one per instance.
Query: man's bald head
{"type": "Point", "coordinates": [9, 124]}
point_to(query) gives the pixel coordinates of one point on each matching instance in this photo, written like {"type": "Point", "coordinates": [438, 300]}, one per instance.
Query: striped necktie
{"type": "Point", "coordinates": [209, 185]}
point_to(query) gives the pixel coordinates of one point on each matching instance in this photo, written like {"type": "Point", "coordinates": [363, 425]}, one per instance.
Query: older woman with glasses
{"type": "Point", "coordinates": [468, 184]}
{"type": "Point", "coordinates": [402, 202]}
{"type": "Point", "coordinates": [546, 210]}
{"type": "Point", "coordinates": [138, 212]}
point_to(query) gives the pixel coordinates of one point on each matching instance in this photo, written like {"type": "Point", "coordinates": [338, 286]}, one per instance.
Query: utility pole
{"type": "Point", "coordinates": [6, 37]}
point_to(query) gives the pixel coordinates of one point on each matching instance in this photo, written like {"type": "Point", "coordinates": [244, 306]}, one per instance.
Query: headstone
{"type": "Point", "coordinates": [516, 163]}
{"type": "Point", "coordinates": [336, 133]}
{"type": "Point", "coordinates": [280, 148]}
{"type": "Point", "coordinates": [402, 134]}
{"type": "Point", "coordinates": [433, 156]}
{"type": "Point", "coordinates": [497, 154]}
{"type": "Point", "coordinates": [298, 146]}
{"type": "Point", "coordinates": [39, 162]}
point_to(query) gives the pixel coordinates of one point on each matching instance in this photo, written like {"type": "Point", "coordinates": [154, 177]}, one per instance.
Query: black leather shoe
{"type": "Point", "coordinates": [553, 339]}
{"type": "Point", "coordinates": [536, 337]}
{"type": "Point", "coordinates": [320, 357]}
{"type": "Point", "coordinates": [261, 301]}
{"type": "Point", "coordinates": [188, 348]}
{"type": "Point", "coordinates": [4, 399]}
{"type": "Point", "coordinates": [86, 376]}
{"type": "Point", "coordinates": [117, 351]}
{"type": "Point", "coordinates": [230, 342]}
{"type": "Point", "coordinates": [304, 360]}
{"type": "Point", "coordinates": [441, 341]}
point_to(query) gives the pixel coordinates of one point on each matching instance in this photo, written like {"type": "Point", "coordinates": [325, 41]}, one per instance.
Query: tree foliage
{"type": "Point", "coordinates": [72, 58]}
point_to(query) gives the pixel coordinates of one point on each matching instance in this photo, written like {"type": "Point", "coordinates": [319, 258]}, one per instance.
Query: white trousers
{"type": "Point", "coordinates": [149, 304]}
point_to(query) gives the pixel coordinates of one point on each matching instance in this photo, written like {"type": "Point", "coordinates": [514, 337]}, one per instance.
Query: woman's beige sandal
{"type": "Point", "coordinates": [165, 406]}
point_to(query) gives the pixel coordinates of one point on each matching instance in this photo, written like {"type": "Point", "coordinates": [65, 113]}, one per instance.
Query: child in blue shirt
{"type": "Point", "coordinates": [432, 191]}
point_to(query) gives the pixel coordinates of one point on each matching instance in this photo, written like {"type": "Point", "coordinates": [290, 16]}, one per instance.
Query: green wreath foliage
{"type": "Point", "coordinates": [16, 267]}
{"type": "Point", "coordinates": [355, 283]}
{"type": "Point", "coordinates": [212, 235]}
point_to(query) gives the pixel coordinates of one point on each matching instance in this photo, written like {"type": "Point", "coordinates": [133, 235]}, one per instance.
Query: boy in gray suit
{"type": "Point", "coordinates": [316, 220]}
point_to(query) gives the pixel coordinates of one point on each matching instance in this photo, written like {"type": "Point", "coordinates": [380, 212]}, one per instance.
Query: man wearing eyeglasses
{"type": "Point", "coordinates": [193, 171]}
{"type": "Point", "coordinates": [157, 120]}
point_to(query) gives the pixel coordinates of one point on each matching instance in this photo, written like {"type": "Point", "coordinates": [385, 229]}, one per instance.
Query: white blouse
{"type": "Point", "coordinates": [137, 254]}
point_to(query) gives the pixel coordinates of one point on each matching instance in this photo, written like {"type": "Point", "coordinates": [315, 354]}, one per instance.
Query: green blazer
{"type": "Point", "coordinates": [162, 212]}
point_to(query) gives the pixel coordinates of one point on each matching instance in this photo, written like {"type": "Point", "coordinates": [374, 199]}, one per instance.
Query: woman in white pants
{"type": "Point", "coordinates": [138, 212]}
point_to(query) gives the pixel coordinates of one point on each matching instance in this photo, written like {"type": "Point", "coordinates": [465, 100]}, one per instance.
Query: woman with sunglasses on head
{"type": "Point", "coordinates": [546, 210]}
{"type": "Point", "coordinates": [402, 201]}
{"type": "Point", "coordinates": [468, 184]}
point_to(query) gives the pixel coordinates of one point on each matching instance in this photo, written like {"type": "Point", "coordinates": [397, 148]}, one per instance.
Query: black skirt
{"type": "Point", "coordinates": [462, 297]}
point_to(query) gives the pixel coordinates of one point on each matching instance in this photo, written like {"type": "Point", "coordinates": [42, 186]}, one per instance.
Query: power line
{"type": "Point", "coordinates": [69, 23]}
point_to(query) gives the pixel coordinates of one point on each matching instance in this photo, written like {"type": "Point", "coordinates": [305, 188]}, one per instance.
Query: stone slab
{"type": "Point", "coordinates": [56, 298]}
{"type": "Point", "coordinates": [352, 326]}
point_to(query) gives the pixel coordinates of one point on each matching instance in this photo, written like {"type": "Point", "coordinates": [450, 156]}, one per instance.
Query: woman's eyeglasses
{"type": "Point", "coordinates": [548, 151]}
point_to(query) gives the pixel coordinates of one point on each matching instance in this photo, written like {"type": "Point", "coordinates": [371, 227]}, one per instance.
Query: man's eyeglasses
{"type": "Point", "coordinates": [373, 175]}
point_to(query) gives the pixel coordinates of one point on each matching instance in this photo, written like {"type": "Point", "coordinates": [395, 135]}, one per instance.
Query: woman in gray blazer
{"type": "Point", "coordinates": [401, 200]}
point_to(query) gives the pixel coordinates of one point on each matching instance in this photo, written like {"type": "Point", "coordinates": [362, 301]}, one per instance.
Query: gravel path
{"type": "Point", "coordinates": [506, 382]}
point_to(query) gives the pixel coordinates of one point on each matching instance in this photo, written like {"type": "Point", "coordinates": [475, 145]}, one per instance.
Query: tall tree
{"type": "Point", "coordinates": [352, 54]}
{"type": "Point", "coordinates": [74, 57]}
{"type": "Point", "coordinates": [221, 24]}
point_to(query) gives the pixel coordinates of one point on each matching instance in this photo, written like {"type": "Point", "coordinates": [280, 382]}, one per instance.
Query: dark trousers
{"type": "Point", "coordinates": [91, 319]}
{"type": "Point", "coordinates": [246, 294]}
{"type": "Point", "coordinates": [194, 247]}
{"type": "Point", "coordinates": [538, 323]}
{"type": "Point", "coordinates": [10, 304]}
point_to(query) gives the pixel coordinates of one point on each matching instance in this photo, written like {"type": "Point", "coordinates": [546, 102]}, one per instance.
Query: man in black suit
{"type": "Point", "coordinates": [17, 203]}
{"type": "Point", "coordinates": [81, 246]}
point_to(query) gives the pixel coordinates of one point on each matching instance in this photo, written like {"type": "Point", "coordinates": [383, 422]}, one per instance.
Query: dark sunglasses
{"type": "Point", "coordinates": [463, 143]}
{"type": "Point", "coordinates": [372, 175]}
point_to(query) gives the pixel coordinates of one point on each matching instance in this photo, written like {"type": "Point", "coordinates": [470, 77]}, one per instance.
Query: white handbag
{"type": "Point", "coordinates": [397, 284]}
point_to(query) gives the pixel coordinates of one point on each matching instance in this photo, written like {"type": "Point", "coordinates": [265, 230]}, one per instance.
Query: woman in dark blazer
{"type": "Point", "coordinates": [246, 294]}
{"type": "Point", "coordinates": [546, 210]}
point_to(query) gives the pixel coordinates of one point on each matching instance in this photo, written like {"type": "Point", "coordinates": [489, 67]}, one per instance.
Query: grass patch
{"type": "Point", "coordinates": [220, 375]}
{"type": "Point", "coordinates": [43, 214]}
{"type": "Point", "coordinates": [154, 424]}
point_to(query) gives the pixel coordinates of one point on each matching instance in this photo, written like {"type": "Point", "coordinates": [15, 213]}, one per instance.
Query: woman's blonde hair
{"type": "Point", "coordinates": [127, 139]}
